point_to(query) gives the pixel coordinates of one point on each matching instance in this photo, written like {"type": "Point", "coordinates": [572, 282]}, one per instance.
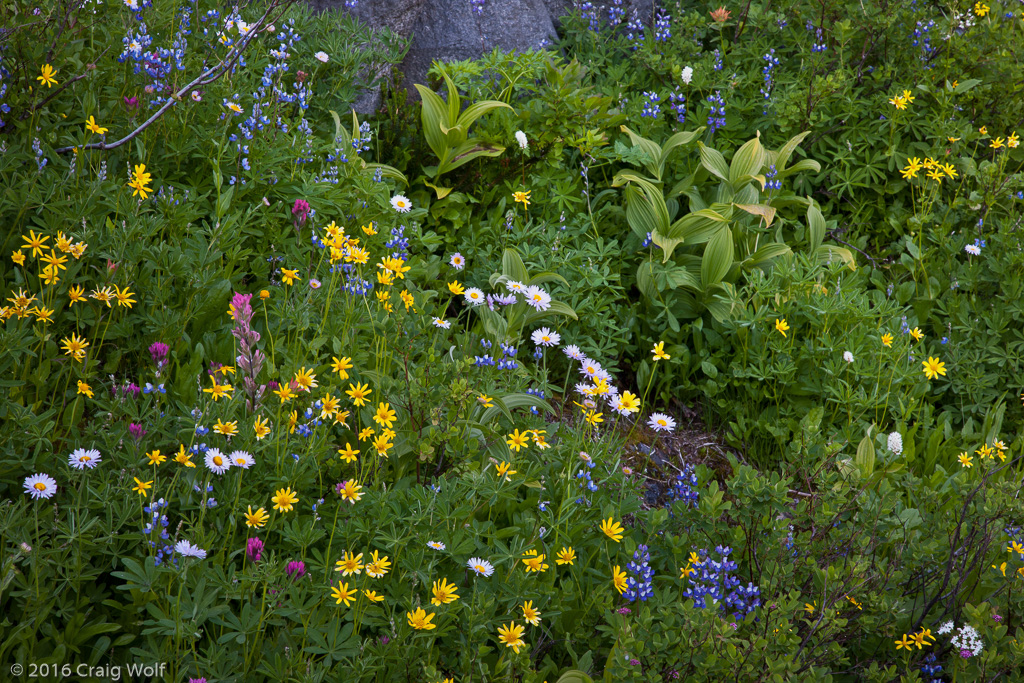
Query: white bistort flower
{"type": "Point", "coordinates": [217, 462]}
{"type": "Point", "coordinates": [521, 139]}
{"type": "Point", "coordinates": [545, 337]}
{"type": "Point", "coordinates": [401, 203]}
{"type": "Point", "coordinates": [895, 442]}
{"type": "Point", "coordinates": [82, 458]}
{"type": "Point", "coordinates": [847, 356]}
{"type": "Point", "coordinates": [538, 298]}
{"type": "Point", "coordinates": [322, 56]}
{"type": "Point", "coordinates": [40, 486]}
{"type": "Point", "coordinates": [188, 550]}
{"type": "Point", "coordinates": [475, 296]}
{"type": "Point", "coordinates": [480, 566]}
{"type": "Point", "coordinates": [687, 75]}
{"type": "Point", "coordinates": [660, 422]}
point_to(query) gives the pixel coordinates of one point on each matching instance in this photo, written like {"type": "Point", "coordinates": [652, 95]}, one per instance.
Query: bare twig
{"type": "Point", "coordinates": [205, 78]}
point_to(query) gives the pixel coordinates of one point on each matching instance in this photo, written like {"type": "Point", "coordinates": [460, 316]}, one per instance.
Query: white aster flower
{"type": "Point", "coordinates": [573, 351]}
{"type": "Point", "coordinates": [457, 261]}
{"type": "Point", "coordinates": [188, 550]}
{"type": "Point", "coordinates": [443, 324]}
{"type": "Point", "coordinates": [242, 459]}
{"type": "Point", "coordinates": [474, 296]}
{"type": "Point", "coordinates": [972, 249]}
{"type": "Point", "coordinates": [436, 545]}
{"type": "Point", "coordinates": [660, 422]}
{"type": "Point", "coordinates": [847, 356]}
{"type": "Point", "coordinates": [591, 368]}
{"type": "Point", "coordinates": [401, 203]}
{"type": "Point", "coordinates": [480, 566]}
{"type": "Point", "coordinates": [895, 442]}
{"type": "Point", "coordinates": [687, 75]}
{"type": "Point", "coordinates": [322, 56]}
{"type": "Point", "coordinates": [521, 139]}
{"type": "Point", "coordinates": [538, 298]}
{"type": "Point", "coordinates": [545, 337]}
{"type": "Point", "coordinates": [515, 287]}
{"type": "Point", "coordinates": [217, 462]}
{"type": "Point", "coordinates": [82, 459]}
{"type": "Point", "coordinates": [40, 486]}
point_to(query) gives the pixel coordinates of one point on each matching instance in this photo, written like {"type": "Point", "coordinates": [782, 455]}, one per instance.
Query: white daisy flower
{"type": "Point", "coordinates": [603, 374]}
{"type": "Point", "coordinates": [217, 462]}
{"type": "Point", "coordinates": [660, 422]}
{"type": "Point", "coordinates": [401, 203]}
{"type": "Point", "coordinates": [591, 368]}
{"type": "Point", "coordinates": [322, 56]}
{"type": "Point", "coordinates": [242, 459]}
{"type": "Point", "coordinates": [443, 324]}
{"type": "Point", "coordinates": [475, 296]}
{"type": "Point", "coordinates": [545, 337]}
{"type": "Point", "coordinates": [972, 249]}
{"type": "Point", "coordinates": [40, 486]}
{"type": "Point", "coordinates": [847, 356]}
{"type": "Point", "coordinates": [188, 550]}
{"type": "Point", "coordinates": [573, 351]}
{"type": "Point", "coordinates": [515, 287]}
{"type": "Point", "coordinates": [538, 298]}
{"type": "Point", "coordinates": [480, 566]}
{"type": "Point", "coordinates": [521, 139]}
{"type": "Point", "coordinates": [436, 545]}
{"type": "Point", "coordinates": [584, 388]}
{"type": "Point", "coordinates": [457, 261]}
{"type": "Point", "coordinates": [82, 459]}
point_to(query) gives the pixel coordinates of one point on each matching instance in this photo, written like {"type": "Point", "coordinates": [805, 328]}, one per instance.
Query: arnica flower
{"type": "Point", "coordinates": [350, 491]}
{"type": "Point", "coordinates": [619, 579]}
{"type": "Point", "coordinates": [142, 487]}
{"type": "Point", "coordinates": [781, 326]}
{"type": "Point", "coordinates": [512, 636]}
{"type": "Point", "coordinates": [349, 564]}
{"type": "Point", "coordinates": [534, 562]}
{"type": "Point", "coordinates": [612, 529]}
{"type": "Point", "coordinates": [565, 556]}
{"type": "Point", "coordinates": [531, 614]}
{"type": "Point", "coordinates": [93, 127]}
{"type": "Point", "coordinates": [342, 594]}
{"type": "Point", "coordinates": [256, 520]}
{"type": "Point", "coordinates": [659, 352]}
{"type": "Point", "coordinates": [378, 566]}
{"type": "Point", "coordinates": [41, 486]}
{"type": "Point", "coordinates": [965, 460]}
{"type": "Point", "coordinates": [480, 566]}
{"type": "Point", "coordinates": [518, 440]}
{"type": "Point", "coordinates": [46, 76]}
{"type": "Point", "coordinates": [522, 198]}
{"type": "Point", "coordinates": [444, 592]}
{"type": "Point", "coordinates": [82, 459]}
{"type": "Point", "coordinates": [420, 620]}
{"type": "Point", "coordinates": [186, 549]}
{"type": "Point", "coordinates": [284, 500]}
{"type": "Point", "coordinates": [933, 368]}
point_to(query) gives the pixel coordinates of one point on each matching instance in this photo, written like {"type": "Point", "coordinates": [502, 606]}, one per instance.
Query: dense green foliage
{"type": "Point", "coordinates": [290, 395]}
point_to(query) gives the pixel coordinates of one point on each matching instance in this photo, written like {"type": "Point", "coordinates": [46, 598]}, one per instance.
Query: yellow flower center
{"type": "Point", "coordinates": [218, 461]}
{"type": "Point", "coordinates": [40, 486]}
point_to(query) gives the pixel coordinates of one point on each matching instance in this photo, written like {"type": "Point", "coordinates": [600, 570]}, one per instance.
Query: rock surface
{"type": "Point", "coordinates": [450, 30]}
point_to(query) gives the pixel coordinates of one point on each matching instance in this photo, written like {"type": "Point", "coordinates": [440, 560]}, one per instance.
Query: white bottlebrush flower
{"type": "Point", "coordinates": [895, 442]}
{"type": "Point", "coordinates": [40, 486]}
{"type": "Point", "coordinates": [660, 422]}
{"type": "Point", "coordinates": [967, 639]}
{"type": "Point", "coordinates": [217, 462]}
{"type": "Point", "coordinates": [521, 139]}
{"type": "Point", "coordinates": [474, 296]}
{"type": "Point", "coordinates": [480, 566]}
{"type": "Point", "coordinates": [847, 356]}
{"type": "Point", "coordinates": [322, 56]}
{"type": "Point", "coordinates": [82, 459]}
{"type": "Point", "coordinates": [242, 459]}
{"type": "Point", "coordinates": [186, 549]}
{"type": "Point", "coordinates": [545, 337]}
{"type": "Point", "coordinates": [457, 261]}
{"type": "Point", "coordinates": [687, 75]}
{"type": "Point", "coordinates": [401, 203]}
{"type": "Point", "coordinates": [538, 298]}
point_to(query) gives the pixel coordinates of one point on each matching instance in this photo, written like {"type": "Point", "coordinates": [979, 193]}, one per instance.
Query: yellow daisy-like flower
{"type": "Point", "coordinates": [359, 393]}
{"type": "Point", "coordinates": [659, 352]}
{"type": "Point", "coordinates": [504, 470]}
{"type": "Point", "coordinates": [142, 487]}
{"type": "Point", "coordinates": [485, 400]}
{"type": "Point", "coordinates": [84, 388]}
{"type": "Point", "coordinates": [342, 594]}
{"type": "Point", "coordinates": [350, 491]}
{"type": "Point", "coordinates": [218, 391]}
{"type": "Point", "coordinates": [522, 198]}
{"type": "Point", "coordinates": [348, 454]}
{"type": "Point", "coordinates": [985, 452]}
{"type": "Point", "coordinates": [905, 642]}
{"type": "Point", "coordinates": [899, 102]}
{"type": "Point", "coordinates": [565, 556]}
{"type": "Point", "coordinates": [349, 564]}
{"type": "Point", "coordinates": [781, 326]}
{"type": "Point", "coordinates": [35, 243]}
{"type": "Point", "coordinates": [284, 392]}
{"type": "Point", "coordinates": [341, 366]}
{"type": "Point", "coordinates": [75, 346]}
{"type": "Point", "coordinates": [156, 458]}
{"type": "Point", "coordinates": [933, 368]}
{"type": "Point", "coordinates": [284, 500]}
{"type": "Point", "coordinates": [917, 334]}
{"type": "Point", "coordinates": [533, 562]}
{"type": "Point", "coordinates": [420, 620]}
{"type": "Point", "coordinates": [996, 143]}
{"type": "Point", "coordinates": [965, 460]}
{"type": "Point", "coordinates": [378, 566]}
{"type": "Point", "coordinates": [183, 457]}
{"type": "Point", "coordinates": [372, 596]}
{"type": "Point", "coordinates": [518, 440]}
{"type": "Point", "coordinates": [980, 9]}
{"type": "Point", "coordinates": [256, 520]}
{"type": "Point", "coordinates": [92, 126]}
{"type": "Point", "coordinates": [456, 288]}
{"type": "Point", "coordinates": [531, 614]}
{"type": "Point", "coordinates": [76, 294]}
{"type": "Point", "coordinates": [983, 130]}
{"type": "Point", "coordinates": [384, 416]}
{"type": "Point", "coordinates": [45, 76]}
{"type": "Point", "coordinates": [305, 379]}
{"type": "Point", "coordinates": [444, 592]}
{"type": "Point", "coordinates": [887, 340]}
{"type": "Point", "coordinates": [18, 257]}
{"type": "Point", "coordinates": [1013, 141]}
{"type": "Point", "coordinates": [226, 428]}
{"type": "Point", "coordinates": [619, 579]}
{"type": "Point", "coordinates": [289, 276]}
{"type": "Point", "coordinates": [612, 529]}
{"type": "Point", "coordinates": [140, 180]}
{"type": "Point", "coordinates": [512, 636]}
{"type": "Point", "coordinates": [261, 428]}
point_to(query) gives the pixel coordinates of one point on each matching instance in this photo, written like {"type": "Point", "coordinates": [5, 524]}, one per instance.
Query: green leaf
{"type": "Point", "coordinates": [802, 165]}
{"type": "Point", "coordinates": [507, 403]}
{"type": "Point", "coordinates": [650, 148]}
{"type": "Point", "coordinates": [681, 138]}
{"type": "Point", "coordinates": [512, 266]}
{"type": "Point", "coordinates": [713, 161]}
{"type": "Point", "coordinates": [434, 114]}
{"type": "Point", "coordinates": [747, 161]}
{"type": "Point", "coordinates": [466, 152]}
{"type": "Point", "coordinates": [574, 676]}
{"type": "Point", "coordinates": [767, 252]}
{"type": "Point", "coordinates": [865, 459]}
{"type": "Point", "coordinates": [827, 253]}
{"type": "Point", "coordinates": [783, 155]}
{"type": "Point", "coordinates": [475, 111]}
{"type": "Point", "coordinates": [718, 258]}
{"type": "Point", "coordinates": [763, 210]}
{"type": "Point", "coordinates": [815, 226]}
{"type": "Point", "coordinates": [645, 280]}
